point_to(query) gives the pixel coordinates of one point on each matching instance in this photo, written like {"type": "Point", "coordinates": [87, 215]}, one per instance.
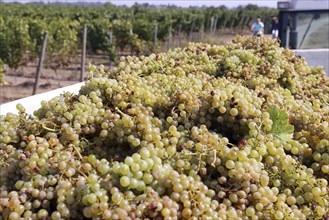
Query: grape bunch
{"type": "Point", "coordinates": [234, 131]}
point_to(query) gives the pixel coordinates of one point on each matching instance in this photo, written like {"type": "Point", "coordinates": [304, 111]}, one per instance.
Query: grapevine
{"type": "Point", "coordinates": [2, 74]}
{"type": "Point", "coordinates": [22, 27]}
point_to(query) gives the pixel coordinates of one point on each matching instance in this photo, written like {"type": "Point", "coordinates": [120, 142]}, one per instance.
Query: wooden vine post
{"type": "Point", "coordinates": [155, 34]}
{"type": "Point", "coordinates": [179, 34]}
{"type": "Point", "coordinates": [202, 32]}
{"type": "Point", "coordinates": [169, 38]}
{"type": "Point", "coordinates": [42, 54]}
{"type": "Point", "coordinates": [83, 53]}
{"type": "Point", "coordinates": [111, 42]}
{"type": "Point", "coordinates": [214, 26]}
{"type": "Point", "coordinates": [192, 28]}
{"type": "Point", "coordinates": [211, 25]}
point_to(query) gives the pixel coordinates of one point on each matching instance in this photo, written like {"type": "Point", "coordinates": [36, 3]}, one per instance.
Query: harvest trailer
{"type": "Point", "coordinates": [304, 27]}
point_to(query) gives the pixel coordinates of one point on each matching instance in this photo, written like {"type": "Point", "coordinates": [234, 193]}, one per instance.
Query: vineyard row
{"type": "Point", "coordinates": [139, 29]}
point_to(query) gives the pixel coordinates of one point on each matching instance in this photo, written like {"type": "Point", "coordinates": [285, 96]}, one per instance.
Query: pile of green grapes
{"type": "Point", "coordinates": [236, 131]}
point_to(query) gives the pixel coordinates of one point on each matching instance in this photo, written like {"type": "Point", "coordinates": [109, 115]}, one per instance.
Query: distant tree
{"type": "Point", "coordinates": [109, 5]}
{"type": "Point", "coordinates": [145, 5]}
{"type": "Point", "coordinates": [172, 6]}
{"type": "Point", "coordinates": [222, 7]}
{"type": "Point", "coordinates": [136, 8]}
{"type": "Point", "coordinates": [251, 7]}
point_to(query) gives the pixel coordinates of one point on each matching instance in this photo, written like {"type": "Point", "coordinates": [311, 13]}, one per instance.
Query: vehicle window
{"type": "Point", "coordinates": [312, 29]}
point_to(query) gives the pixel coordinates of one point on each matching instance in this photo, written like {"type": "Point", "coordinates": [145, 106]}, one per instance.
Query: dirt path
{"type": "Point", "coordinates": [20, 83]}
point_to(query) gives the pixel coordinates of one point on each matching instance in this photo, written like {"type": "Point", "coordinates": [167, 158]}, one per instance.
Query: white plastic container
{"type": "Point", "coordinates": [33, 103]}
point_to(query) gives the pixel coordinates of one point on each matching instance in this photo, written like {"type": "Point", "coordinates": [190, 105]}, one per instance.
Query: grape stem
{"type": "Point", "coordinates": [3, 162]}
{"type": "Point", "coordinates": [192, 195]}
{"type": "Point", "coordinates": [77, 151]}
{"type": "Point", "coordinates": [200, 159]}
{"type": "Point", "coordinates": [87, 141]}
{"type": "Point", "coordinates": [82, 173]}
{"type": "Point", "coordinates": [47, 128]}
{"type": "Point", "coordinates": [123, 114]}
{"type": "Point", "coordinates": [173, 110]}
{"type": "Point", "coordinates": [60, 177]}
{"type": "Point", "coordinates": [215, 158]}
{"type": "Point", "coordinates": [163, 71]}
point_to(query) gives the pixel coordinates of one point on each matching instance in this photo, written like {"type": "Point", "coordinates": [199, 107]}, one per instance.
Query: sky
{"type": "Point", "coordinates": [181, 3]}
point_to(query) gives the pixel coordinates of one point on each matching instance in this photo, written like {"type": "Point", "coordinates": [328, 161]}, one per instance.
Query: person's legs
{"type": "Point", "coordinates": [276, 33]}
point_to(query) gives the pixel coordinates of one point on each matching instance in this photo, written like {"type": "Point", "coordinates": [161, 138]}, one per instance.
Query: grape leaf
{"type": "Point", "coordinates": [280, 127]}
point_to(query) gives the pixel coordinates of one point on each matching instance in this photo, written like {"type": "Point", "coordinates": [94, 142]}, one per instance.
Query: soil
{"type": "Point", "coordinates": [20, 82]}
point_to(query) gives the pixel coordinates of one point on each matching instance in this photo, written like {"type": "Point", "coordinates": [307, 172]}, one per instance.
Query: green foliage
{"type": "Point", "coordinates": [98, 35]}
{"type": "Point", "coordinates": [14, 40]}
{"type": "Point", "coordinates": [62, 43]}
{"type": "Point", "coordinates": [36, 29]}
{"type": "Point", "coordinates": [124, 36]}
{"type": "Point", "coordinates": [2, 74]}
{"type": "Point", "coordinates": [144, 28]}
{"type": "Point", "coordinates": [281, 127]}
{"type": "Point", "coordinates": [22, 27]}
{"type": "Point", "coordinates": [111, 52]}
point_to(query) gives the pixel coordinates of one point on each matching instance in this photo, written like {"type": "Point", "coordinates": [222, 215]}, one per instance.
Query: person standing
{"type": "Point", "coordinates": [257, 28]}
{"type": "Point", "coordinates": [275, 28]}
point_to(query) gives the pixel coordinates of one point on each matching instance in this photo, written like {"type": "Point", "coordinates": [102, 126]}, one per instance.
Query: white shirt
{"type": "Point", "coordinates": [257, 27]}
